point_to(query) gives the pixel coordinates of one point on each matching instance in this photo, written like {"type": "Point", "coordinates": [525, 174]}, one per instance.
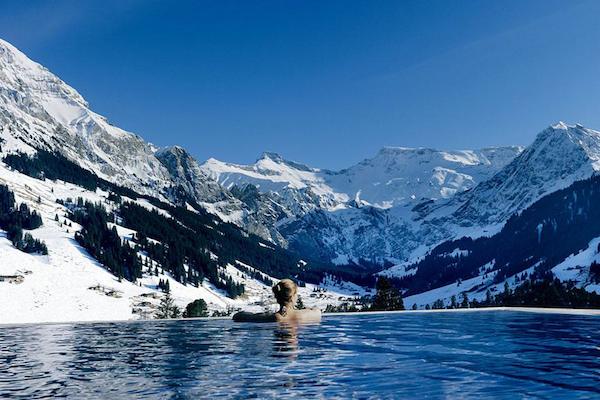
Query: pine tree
{"type": "Point", "coordinates": [388, 297]}
{"type": "Point", "coordinates": [453, 303]}
{"type": "Point", "coordinates": [299, 304]}
{"type": "Point", "coordinates": [167, 308]}
{"type": "Point", "coordinates": [465, 300]}
{"type": "Point", "coordinates": [438, 304]}
{"type": "Point", "coordinates": [195, 309]}
{"type": "Point", "coordinates": [488, 298]}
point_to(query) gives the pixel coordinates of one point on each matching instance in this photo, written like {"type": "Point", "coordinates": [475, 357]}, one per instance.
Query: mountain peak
{"type": "Point", "coordinates": [175, 150]}
{"type": "Point", "coordinates": [265, 157]}
{"type": "Point", "coordinates": [560, 155]}
{"type": "Point", "coordinates": [25, 76]}
{"type": "Point", "coordinates": [560, 125]}
{"type": "Point", "coordinates": [46, 113]}
{"type": "Point", "coordinates": [269, 155]}
{"type": "Point", "coordinates": [577, 135]}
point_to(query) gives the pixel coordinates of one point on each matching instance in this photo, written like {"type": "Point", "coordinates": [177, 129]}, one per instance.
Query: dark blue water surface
{"type": "Point", "coordinates": [492, 354]}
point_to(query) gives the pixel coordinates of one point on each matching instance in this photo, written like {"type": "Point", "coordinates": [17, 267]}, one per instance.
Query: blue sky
{"type": "Point", "coordinates": [327, 83]}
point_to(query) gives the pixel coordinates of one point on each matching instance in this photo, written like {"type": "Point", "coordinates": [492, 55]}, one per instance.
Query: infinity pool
{"type": "Point", "coordinates": [495, 354]}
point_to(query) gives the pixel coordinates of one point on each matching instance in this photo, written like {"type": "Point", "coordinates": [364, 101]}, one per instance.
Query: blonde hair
{"type": "Point", "coordinates": [285, 291]}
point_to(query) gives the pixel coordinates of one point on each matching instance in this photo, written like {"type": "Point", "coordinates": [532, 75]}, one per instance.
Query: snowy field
{"type": "Point", "coordinates": [69, 285]}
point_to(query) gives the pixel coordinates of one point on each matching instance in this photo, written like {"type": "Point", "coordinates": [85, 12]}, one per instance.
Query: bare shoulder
{"type": "Point", "coordinates": [305, 315]}
{"type": "Point", "coordinates": [309, 315]}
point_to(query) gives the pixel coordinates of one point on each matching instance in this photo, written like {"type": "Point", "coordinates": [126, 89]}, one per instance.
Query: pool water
{"type": "Point", "coordinates": [495, 354]}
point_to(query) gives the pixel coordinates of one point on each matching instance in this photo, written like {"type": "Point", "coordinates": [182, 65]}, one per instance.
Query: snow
{"type": "Point", "coordinates": [235, 216]}
{"type": "Point", "coordinates": [69, 285]}
{"type": "Point", "coordinates": [576, 267]}
{"type": "Point", "coordinates": [399, 270]}
{"type": "Point", "coordinates": [43, 111]}
{"type": "Point", "coordinates": [393, 181]}
{"type": "Point", "coordinates": [394, 206]}
{"type": "Point", "coordinates": [57, 287]}
{"type": "Point", "coordinates": [458, 253]}
{"type": "Point", "coordinates": [408, 174]}
{"type": "Point", "coordinates": [475, 288]}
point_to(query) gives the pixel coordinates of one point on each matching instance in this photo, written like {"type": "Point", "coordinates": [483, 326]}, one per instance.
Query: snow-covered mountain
{"type": "Point", "coordinates": [396, 175]}
{"type": "Point", "coordinates": [69, 285]}
{"type": "Point", "coordinates": [396, 206]}
{"type": "Point", "coordinates": [386, 207]}
{"type": "Point", "coordinates": [361, 212]}
{"type": "Point", "coordinates": [559, 156]}
{"type": "Point", "coordinates": [38, 110]}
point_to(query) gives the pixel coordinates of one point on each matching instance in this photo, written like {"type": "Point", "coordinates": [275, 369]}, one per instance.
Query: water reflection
{"type": "Point", "coordinates": [477, 355]}
{"type": "Point", "coordinates": [285, 341]}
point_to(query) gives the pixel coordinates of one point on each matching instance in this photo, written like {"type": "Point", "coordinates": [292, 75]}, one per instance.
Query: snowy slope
{"type": "Point", "coordinates": [576, 267]}
{"type": "Point", "coordinates": [401, 202]}
{"type": "Point", "coordinates": [69, 285]}
{"type": "Point", "coordinates": [559, 156]}
{"type": "Point", "coordinates": [38, 110]}
{"type": "Point", "coordinates": [393, 206]}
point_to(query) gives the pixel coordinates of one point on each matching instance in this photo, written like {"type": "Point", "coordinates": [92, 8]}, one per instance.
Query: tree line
{"type": "Point", "coordinates": [556, 226]}
{"type": "Point", "coordinates": [14, 219]}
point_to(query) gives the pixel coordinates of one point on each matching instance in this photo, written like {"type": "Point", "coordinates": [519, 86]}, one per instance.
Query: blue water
{"type": "Point", "coordinates": [450, 355]}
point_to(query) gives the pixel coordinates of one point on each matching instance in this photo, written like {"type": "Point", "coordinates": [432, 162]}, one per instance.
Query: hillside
{"type": "Point", "coordinates": [102, 222]}
{"type": "Point", "coordinates": [68, 284]}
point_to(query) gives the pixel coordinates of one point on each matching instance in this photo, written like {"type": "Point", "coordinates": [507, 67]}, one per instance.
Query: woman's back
{"type": "Point", "coordinates": [285, 292]}
{"type": "Point", "coordinates": [300, 316]}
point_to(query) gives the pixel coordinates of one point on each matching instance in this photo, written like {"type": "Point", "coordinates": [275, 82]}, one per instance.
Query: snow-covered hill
{"type": "Point", "coordinates": [38, 110]}
{"type": "Point", "coordinates": [557, 234]}
{"type": "Point", "coordinates": [69, 285]}
{"type": "Point", "coordinates": [559, 156]}
{"type": "Point", "coordinates": [396, 206]}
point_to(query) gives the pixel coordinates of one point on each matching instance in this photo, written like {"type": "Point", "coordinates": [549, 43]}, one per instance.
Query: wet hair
{"type": "Point", "coordinates": [284, 291]}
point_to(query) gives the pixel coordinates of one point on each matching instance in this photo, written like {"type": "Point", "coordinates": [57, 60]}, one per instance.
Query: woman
{"type": "Point", "coordinates": [286, 294]}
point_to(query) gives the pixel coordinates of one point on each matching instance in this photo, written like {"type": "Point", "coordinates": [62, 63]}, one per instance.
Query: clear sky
{"type": "Point", "coordinates": [327, 83]}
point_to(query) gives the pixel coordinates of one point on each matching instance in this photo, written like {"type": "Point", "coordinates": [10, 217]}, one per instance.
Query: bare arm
{"type": "Point", "coordinates": [245, 316]}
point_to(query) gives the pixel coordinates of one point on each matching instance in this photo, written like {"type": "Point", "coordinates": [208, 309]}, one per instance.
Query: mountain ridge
{"type": "Point", "coordinates": [383, 208]}
{"type": "Point", "coordinates": [397, 206]}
